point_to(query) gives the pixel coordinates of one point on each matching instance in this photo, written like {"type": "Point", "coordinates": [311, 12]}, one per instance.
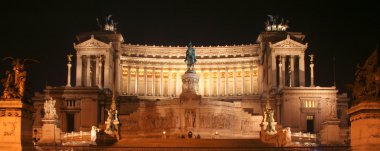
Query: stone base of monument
{"type": "Point", "coordinates": [275, 138]}
{"type": "Point", "coordinates": [51, 132]}
{"type": "Point", "coordinates": [16, 120]}
{"type": "Point", "coordinates": [114, 134]}
{"type": "Point", "coordinates": [330, 133]}
{"type": "Point", "coordinates": [365, 126]}
{"type": "Point", "coordinates": [190, 87]}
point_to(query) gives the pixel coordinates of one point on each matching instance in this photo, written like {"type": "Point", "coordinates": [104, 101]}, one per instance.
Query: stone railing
{"type": "Point", "coordinates": [76, 138]}
{"type": "Point", "coordinates": [304, 139]}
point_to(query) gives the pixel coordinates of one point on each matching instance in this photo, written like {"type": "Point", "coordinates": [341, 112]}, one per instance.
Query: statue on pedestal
{"type": "Point", "coordinates": [14, 85]}
{"type": "Point", "coordinates": [49, 107]}
{"type": "Point", "coordinates": [190, 58]}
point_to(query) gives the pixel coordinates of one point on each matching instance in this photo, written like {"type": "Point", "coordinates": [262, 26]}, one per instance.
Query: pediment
{"type": "Point", "coordinates": [288, 43]}
{"type": "Point", "coordinates": [92, 43]}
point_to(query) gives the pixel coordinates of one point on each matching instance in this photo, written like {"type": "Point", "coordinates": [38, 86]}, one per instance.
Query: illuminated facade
{"type": "Point", "coordinates": [241, 77]}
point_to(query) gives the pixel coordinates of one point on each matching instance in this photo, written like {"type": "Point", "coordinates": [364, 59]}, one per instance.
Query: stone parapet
{"type": "Point", "coordinates": [16, 119]}
{"type": "Point", "coordinates": [365, 124]}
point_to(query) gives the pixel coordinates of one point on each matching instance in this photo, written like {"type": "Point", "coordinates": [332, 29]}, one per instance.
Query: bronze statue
{"type": "Point", "coordinates": [367, 79]}
{"type": "Point", "coordinates": [14, 85]}
{"type": "Point", "coordinates": [69, 57]}
{"type": "Point", "coordinates": [190, 57]}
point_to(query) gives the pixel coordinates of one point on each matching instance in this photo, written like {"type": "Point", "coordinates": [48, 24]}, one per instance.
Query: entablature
{"type": "Point", "coordinates": [238, 62]}
{"type": "Point", "coordinates": [201, 51]}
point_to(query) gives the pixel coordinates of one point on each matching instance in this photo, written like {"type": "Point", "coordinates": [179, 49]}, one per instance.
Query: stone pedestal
{"type": "Point", "coordinates": [190, 87]}
{"type": "Point", "coordinates": [16, 120]}
{"type": "Point", "coordinates": [113, 133]}
{"type": "Point", "coordinates": [365, 126]}
{"type": "Point", "coordinates": [190, 82]}
{"type": "Point", "coordinates": [51, 132]}
{"type": "Point", "coordinates": [330, 132]}
{"type": "Point", "coordinates": [264, 126]}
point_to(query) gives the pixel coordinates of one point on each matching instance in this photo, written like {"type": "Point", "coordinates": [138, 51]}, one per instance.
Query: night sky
{"type": "Point", "coordinates": [46, 31]}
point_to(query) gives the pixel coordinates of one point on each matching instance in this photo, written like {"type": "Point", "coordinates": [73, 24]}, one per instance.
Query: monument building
{"type": "Point", "coordinates": [234, 83]}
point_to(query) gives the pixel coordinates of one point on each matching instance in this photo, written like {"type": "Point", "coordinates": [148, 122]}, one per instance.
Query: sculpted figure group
{"type": "Point", "coordinates": [14, 84]}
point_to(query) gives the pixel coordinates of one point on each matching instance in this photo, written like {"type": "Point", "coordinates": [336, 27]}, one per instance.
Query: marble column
{"type": "Point", "coordinates": [121, 80]}
{"type": "Point", "coordinates": [242, 80]}
{"type": "Point", "coordinates": [218, 83]}
{"type": "Point", "coordinates": [129, 80]}
{"type": "Point", "coordinates": [301, 69]}
{"type": "Point", "coordinates": [177, 81]}
{"type": "Point", "coordinates": [161, 81]}
{"type": "Point", "coordinates": [79, 73]}
{"type": "Point", "coordinates": [107, 78]}
{"type": "Point", "coordinates": [250, 80]}
{"type": "Point", "coordinates": [210, 82]}
{"type": "Point", "coordinates": [88, 71]}
{"type": "Point", "coordinates": [154, 81]}
{"type": "Point", "coordinates": [292, 71]}
{"type": "Point", "coordinates": [273, 79]}
{"type": "Point", "coordinates": [283, 60]}
{"type": "Point", "coordinates": [169, 86]}
{"type": "Point", "coordinates": [202, 83]}
{"type": "Point", "coordinates": [280, 72]}
{"type": "Point", "coordinates": [311, 71]}
{"type": "Point", "coordinates": [68, 74]}
{"type": "Point", "coordinates": [97, 71]}
{"type": "Point", "coordinates": [117, 75]}
{"type": "Point", "coordinates": [234, 82]}
{"type": "Point", "coordinates": [226, 82]}
{"type": "Point", "coordinates": [145, 81]}
{"type": "Point", "coordinates": [137, 81]}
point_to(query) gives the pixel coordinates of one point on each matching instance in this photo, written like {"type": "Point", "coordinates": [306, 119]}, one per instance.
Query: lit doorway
{"type": "Point", "coordinates": [310, 123]}
{"type": "Point", "coordinates": [70, 122]}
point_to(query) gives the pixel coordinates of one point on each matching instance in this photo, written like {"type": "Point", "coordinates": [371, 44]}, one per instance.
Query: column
{"type": "Point", "coordinates": [117, 74]}
{"type": "Point", "coordinates": [218, 82]}
{"type": "Point", "coordinates": [161, 81]}
{"type": "Point", "coordinates": [97, 71]}
{"type": "Point", "coordinates": [226, 82]}
{"type": "Point", "coordinates": [234, 82]}
{"type": "Point", "coordinates": [68, 74]}
{"type": "Point", "coordinates": [292, 71]}
{"type": "Point", "coordinates": [129, 80]}
{"type": "Point", "coordinates": [107, 77]}
{"type": "Point", "coordinates": [250, 80]}
{"type": "Point", "coordinates": [121, 81]}
{"type": "Point", "coordinates": [242, 80]}
{"type": "Point", "coordinates": [273, 82]}
{"type": "Point", "coordinates": [154, 81]}
{"type": "Point", "coordinates": [177, 81]}
{"type": "Point", "coordinates": [280, 72]}
{"type": "Point", "coordinates": [145, 82]}
{"type": "Point", "coordinates": [210, 82]}
{"type": "Point", "coordinates": [170, 83]}
{"type": "Point", "coordinates": [301, 69]}
{"type": "Point", "coordinates": [311, 70]}
{"type": "Point", "coordinates": [202, 83]}
{"type": "Point", "coordinates": [88, 71]}
{"type": "Point", "coordinates": [283, 70]}
{"type": "Point", "coordinates": [79, 73]}
{"type": "Point", "coordinates": [137, 81]}
{"type": "Point", "coordinates": [260, 78]}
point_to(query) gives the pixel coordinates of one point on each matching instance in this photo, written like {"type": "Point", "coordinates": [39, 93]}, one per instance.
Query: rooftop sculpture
{"type": "Point", "coordinates": [274, 24]}
{"type": "Point", "coordinates": [108, 25]}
